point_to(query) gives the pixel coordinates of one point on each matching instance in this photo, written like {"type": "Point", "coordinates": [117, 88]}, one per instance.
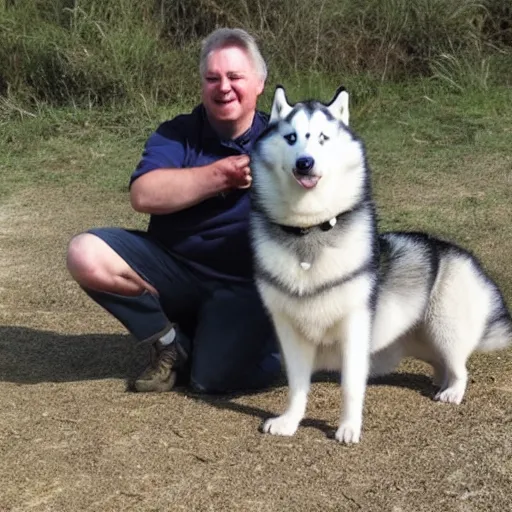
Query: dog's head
{"type": "Point", "coordinates": [308, 155]}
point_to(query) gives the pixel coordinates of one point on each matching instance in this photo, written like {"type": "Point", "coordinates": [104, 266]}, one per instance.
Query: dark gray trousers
{"type": "Point", "coordinates": [223, 327]}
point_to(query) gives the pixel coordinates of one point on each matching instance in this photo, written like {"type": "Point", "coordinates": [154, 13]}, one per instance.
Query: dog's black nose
{"type": "Point", "coordinates": [304, 164]}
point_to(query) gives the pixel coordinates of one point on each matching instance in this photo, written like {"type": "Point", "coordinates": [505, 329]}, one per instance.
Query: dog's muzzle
{"type": "Point", "coordinates": [304, 173]}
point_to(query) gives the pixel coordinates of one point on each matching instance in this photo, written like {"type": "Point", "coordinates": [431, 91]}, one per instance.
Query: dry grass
{"type": "Point", "coordinates": [72, 439]}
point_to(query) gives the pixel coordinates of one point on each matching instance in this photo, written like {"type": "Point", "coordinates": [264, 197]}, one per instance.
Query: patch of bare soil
{"type": "Point", "coordinates": [72, 438]}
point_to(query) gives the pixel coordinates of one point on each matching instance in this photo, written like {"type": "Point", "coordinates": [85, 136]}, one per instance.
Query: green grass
{"type": "Point", "coordinates": [418, 134]}
{"type": "Point", "coordinates": [60, 147]}
{"type": "Point", "coordinates": [119, 52]}
{"type": "Point", "coordinates": [442, 163]}
{"type": "Point", "coordinates": [441, 159]}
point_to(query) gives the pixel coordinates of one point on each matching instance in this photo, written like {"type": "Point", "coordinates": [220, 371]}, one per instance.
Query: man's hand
{"type": "Point", "coordinates": [235, 170]}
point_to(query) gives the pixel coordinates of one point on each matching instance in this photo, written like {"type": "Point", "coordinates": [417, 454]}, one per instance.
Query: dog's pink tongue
{"type": "Point", "coordinates": [307, 181]}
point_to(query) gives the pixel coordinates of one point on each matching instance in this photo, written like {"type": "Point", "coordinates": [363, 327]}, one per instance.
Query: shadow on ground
{"type": "Point", "coordinates": [29, 356]}
{"type": "Point", "coordinates": [416, 382]}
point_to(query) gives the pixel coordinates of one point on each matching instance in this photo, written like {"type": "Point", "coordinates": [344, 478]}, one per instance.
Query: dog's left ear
{"type": "Point", "coordinates": [280, 106]}
{"type": "Point", "coordinates": [338, 106]}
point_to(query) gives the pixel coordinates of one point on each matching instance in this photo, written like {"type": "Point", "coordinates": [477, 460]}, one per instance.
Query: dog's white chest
{"type": "Point", "coordinates": [306, 265]}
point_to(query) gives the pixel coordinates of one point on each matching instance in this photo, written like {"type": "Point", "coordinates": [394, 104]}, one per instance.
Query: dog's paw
{"type": "Point", "coordinates": [452, 395]}
{"type": "Point", "coordinates": [348, 433]}
{"type": "Point", "coordinates": [281, 426]}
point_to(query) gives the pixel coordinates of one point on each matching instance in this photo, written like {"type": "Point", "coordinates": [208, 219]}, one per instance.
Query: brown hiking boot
{"type": "Point", "coordinates": [160, 375]}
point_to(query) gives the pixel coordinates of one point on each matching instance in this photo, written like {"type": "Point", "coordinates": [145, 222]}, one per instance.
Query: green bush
{"type": "Point", "coordinates": [118, 52]}
{"type": "Point", "coordinates": [96, 54]}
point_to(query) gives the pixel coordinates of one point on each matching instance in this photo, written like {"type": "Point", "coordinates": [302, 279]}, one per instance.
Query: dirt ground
{"type": "Point", "coordinates": [72, 438]}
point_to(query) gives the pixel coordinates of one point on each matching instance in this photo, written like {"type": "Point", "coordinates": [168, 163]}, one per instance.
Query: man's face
{"type": "Point", "coordinates": [230, 88]}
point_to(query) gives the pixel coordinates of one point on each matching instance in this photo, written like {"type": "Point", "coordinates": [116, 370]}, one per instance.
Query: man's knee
{"type": "Point", "coordinates": [87, 259]}
{"type": "Point", "coordinates": [79, 256]}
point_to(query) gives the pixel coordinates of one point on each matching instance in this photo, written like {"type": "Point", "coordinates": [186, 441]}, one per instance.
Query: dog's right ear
{"type": "Point", "coordinates": [339, 106]}
{"type": "Point", "coordinates": [280, 106]}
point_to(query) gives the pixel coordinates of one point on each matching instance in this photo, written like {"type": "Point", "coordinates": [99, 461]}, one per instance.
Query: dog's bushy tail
{"type": "Point", "coordinates": [498, 333]}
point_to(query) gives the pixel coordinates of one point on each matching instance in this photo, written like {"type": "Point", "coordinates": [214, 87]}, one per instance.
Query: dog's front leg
{"type": "Point", "coordinates": [299, 356]}
{"type": "Point", "coordinates": [355, 350]}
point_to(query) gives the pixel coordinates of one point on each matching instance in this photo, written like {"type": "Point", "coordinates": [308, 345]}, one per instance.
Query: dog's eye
{"type": "Point", "coordinates": [322, 138]}
{"type": "Point", "coordinates": [291, 138]}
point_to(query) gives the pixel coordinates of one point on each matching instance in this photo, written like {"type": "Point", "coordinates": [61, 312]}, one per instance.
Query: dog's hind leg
{"type": "Point", "coordinates": [452, 346]}
{"type": "Point", "coordinates": [355, 331]}
{"type": "Point", "coordinates": [455, 381]}
{"type": "Point", "coordinates": [299, 357]}
{"type": "Point", "coordinates": [454, 323]}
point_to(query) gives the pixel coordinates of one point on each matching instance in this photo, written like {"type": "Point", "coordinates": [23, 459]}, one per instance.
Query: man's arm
{"type": "Point", "coordinates": [164, 191]}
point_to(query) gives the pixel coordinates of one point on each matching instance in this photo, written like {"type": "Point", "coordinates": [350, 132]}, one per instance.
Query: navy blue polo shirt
{"type": "Point", "coordinates": [211, 236]}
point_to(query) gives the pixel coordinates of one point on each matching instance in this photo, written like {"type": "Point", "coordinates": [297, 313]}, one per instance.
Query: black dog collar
{"type": "Point", "coordinates": [325, 226]}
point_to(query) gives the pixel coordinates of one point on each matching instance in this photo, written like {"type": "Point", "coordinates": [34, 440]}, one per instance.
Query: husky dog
{"type": "Point", "coordinates": [340, 295]}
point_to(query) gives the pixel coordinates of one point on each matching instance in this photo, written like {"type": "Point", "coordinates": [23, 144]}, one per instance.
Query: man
{"type": "Point", "coordinates": [186, 284]}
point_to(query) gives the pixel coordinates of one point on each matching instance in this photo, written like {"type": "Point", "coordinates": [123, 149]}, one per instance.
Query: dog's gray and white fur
{"type": "Point", "coordinates": [340, 295]}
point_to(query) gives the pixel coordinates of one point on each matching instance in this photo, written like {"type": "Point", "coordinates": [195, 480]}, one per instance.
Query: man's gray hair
{"type": "Point", "coordinates": [224, 37]}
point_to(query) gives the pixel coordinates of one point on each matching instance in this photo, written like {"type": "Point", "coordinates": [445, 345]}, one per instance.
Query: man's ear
{"type": "Point", "coordinates": [280, 106]}
{"type": "Point", "coordinates": [261, 86]}
{"type": "Point", "coordinates": [338, 106]}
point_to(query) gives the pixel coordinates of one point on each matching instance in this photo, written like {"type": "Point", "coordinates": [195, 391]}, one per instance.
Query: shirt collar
{"type": "Point", "coordinates": [243, 142]}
